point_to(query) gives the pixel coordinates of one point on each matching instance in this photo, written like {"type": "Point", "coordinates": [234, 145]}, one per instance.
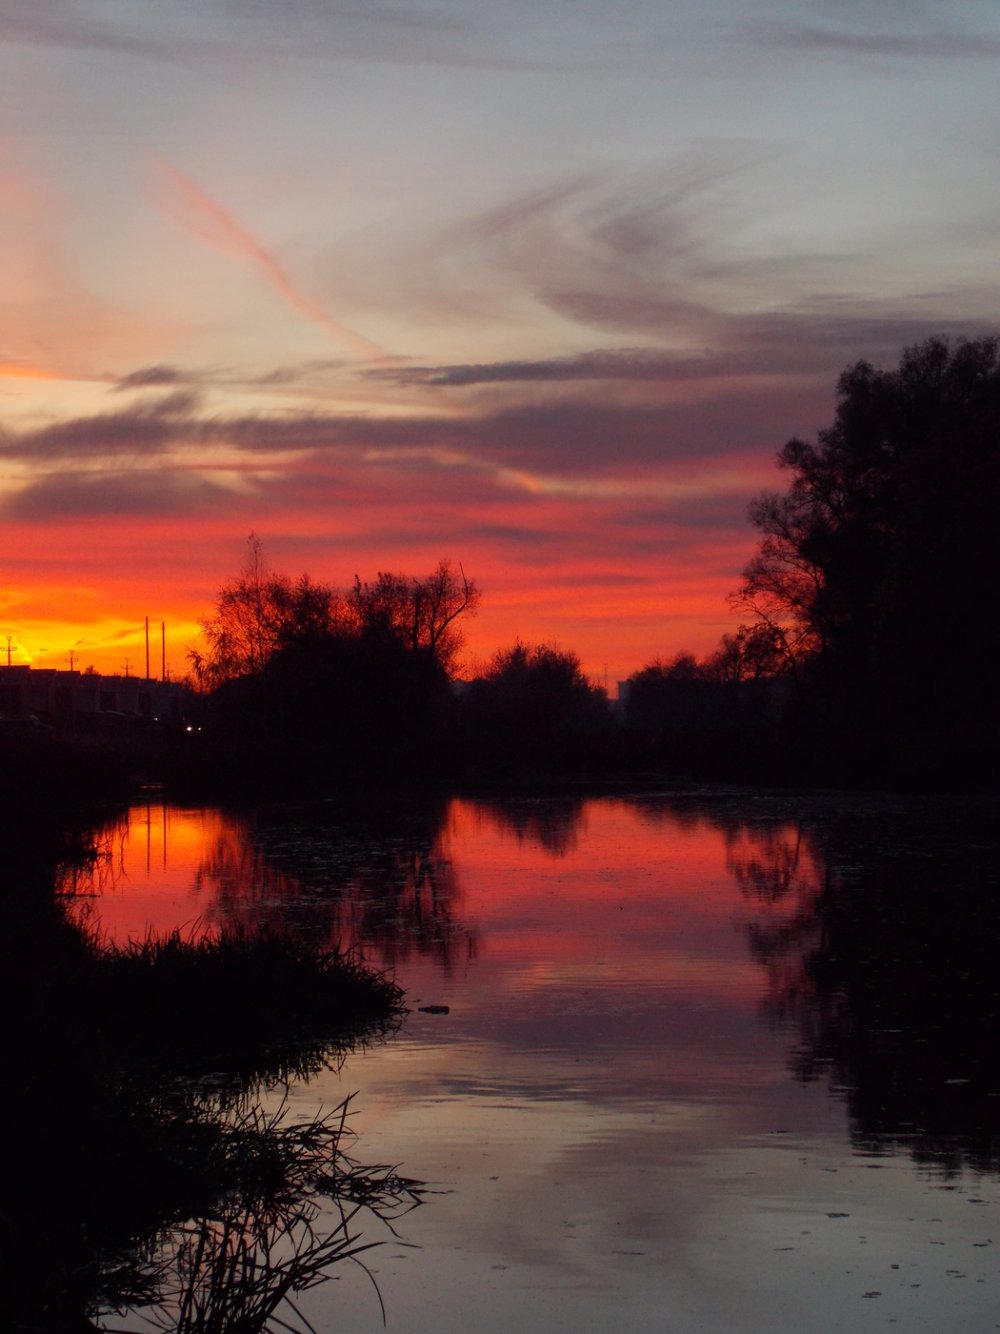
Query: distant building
{"type": "Point", "coordinates": [55, 696]}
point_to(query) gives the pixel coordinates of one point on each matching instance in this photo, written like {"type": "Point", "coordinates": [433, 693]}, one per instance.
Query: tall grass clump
{"type": "Point", "coordinates": [248, 1001]}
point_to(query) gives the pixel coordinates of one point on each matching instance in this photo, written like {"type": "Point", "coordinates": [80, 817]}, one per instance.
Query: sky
{"type": "Point", "coordinates": [541, 288]}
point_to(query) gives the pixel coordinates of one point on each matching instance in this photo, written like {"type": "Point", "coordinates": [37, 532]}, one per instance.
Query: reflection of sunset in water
{"type": "Point", "coordinates": [146, 879]}
{"type": "Point", "coordinates": [531, 888]}
{"type": "Point", "coordinates": [611, 1124]}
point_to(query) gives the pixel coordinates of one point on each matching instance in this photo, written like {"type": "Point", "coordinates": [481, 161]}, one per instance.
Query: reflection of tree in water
{"type": "Point", "coordinates": [378, 881]}
{"type": "Point", "coordinates": [880, 936]}
{"type": "Point", "coordinates": [551, 823]}
{"type": "Point", "coordinates": [100, 870]}
{"type": "Point", "coordinates": [777, 868]}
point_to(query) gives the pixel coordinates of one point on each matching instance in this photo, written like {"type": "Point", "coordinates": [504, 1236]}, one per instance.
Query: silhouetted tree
{"type": "Point", "coordinates": [753, 653]}
{"type": "Point", "coordinates": [871, 570]}
{"type": "Point", "coordinates": [422, 614]}
{"type": "Point", "coordinates": [535, 712]}
{"type": "Point", "coordinates": [715, 718]}
{"type": "Point", "coordinates": [308, 683]}
{"type": "Point", "coordinates": [258, 612]}
{"type": "Point", "coordinates": [663, 703]}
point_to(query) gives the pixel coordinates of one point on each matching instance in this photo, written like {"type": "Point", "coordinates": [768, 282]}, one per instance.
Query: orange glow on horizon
{"type": "Point", "coordinates": [14, 370]}
{"type": "Point", "coordinates": [635, 635]}
{"type": "Point", "coordinates": [607, 630]}
{"type": "Point", "coordinates": [85, 585]}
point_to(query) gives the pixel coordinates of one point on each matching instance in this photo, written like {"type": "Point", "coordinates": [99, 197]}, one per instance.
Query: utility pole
{"type": "Point", "coordinates": [126, 666]}
{"type": "Point", "coordinates": [70, 659]}
{"type": "Point", "coordinates": [147, 648]}
{"type": "Point", "coordinates": [9, 638]}
{"type": "Point", "coordinates": [163, 650]}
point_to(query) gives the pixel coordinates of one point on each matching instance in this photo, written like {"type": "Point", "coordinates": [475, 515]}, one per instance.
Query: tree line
{"type": "Point", "coordinates": [866, 647]}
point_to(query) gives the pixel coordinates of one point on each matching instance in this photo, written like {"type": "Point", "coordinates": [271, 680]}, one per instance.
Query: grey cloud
{"type": "Point", "coordinates": [110, 433]}
{"type": "Point", "coordinates": [511, 217]}
{"type": "Point", "coordinates": [768, 378]}
{"type": "Point", "coordinates": [631, 230]}
{"type": "Point", "coordinates": [171, 423]}
{"type": "Point", "coordinates": [511, 534]}
{"type": "Point", "coordinates": [298, 32]}
{"type": "Point", "coordinates": [726, 510]}
{"type": "Point", "coordinates": [180, 404]}
{"type": "Point", "coordinates": [154, 377]}
{"type": "Point", "coordinates": [161, 377]}
{"type": "Point", "coordinates": [148, 429]}
{"type": "Point", "coordinates": [562, 438]}
{"type": "Point", "coordinates": [938, 44]}
{"type": "Point", "coordinates": [336, 30]}
{"type": "Point", "coordinates": [605, 578]}
{"type": "Point", "coordinates": [59, 24]}
{"type": "Point", "coordinates": [644, 255]}
{"type": "Point", "coordinates": [138, 493]}
{"type": "Point", "coordinates": [623, 310]}
{"type": "Point", "coordinates": [292, 374]}
{"type": "Point", "coordinates": [783, 344]}
{"type": "Point", "coordinates": [612, 364]}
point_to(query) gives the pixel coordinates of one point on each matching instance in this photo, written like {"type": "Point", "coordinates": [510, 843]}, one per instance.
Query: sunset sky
{"type": "Point", "coordinates": [539, 287]}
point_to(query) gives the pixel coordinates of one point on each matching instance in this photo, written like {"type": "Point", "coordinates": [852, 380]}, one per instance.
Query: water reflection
{"type": "Point", "coordinates": [244, 1265]}
{"type": "Point", "coordinates": [379, 881]}
{"type": "Point", "coordinates": [872, 926]}
{"type": "Point", "coordinates": [551, 823]}
{"type": "Point", "coordinates": [149, 1176]}
{"type": "Point", "coordinates": [880, 940]}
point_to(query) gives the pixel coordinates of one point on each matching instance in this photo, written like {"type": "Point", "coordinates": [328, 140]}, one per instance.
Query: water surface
{"type": "Point", "coordinates": [708, 1063]}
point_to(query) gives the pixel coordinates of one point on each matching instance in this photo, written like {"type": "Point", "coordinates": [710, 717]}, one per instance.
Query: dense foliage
{"type": "Point", "coordinates": [306, 681]}
{"type": "Point", "coordinates": [533, 711]}
{"type": "Point", "coordinates": [876, 565]}
{"type": "Point", "coordinates": [869, 594]}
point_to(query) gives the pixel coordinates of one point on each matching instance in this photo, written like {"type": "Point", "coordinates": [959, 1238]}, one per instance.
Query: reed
{"type": "Point", "coordinates": [290, 1204]}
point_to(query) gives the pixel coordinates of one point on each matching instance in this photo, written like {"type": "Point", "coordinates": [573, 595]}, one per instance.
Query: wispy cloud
{"type": "Point", "coordinates": [782, 344]}
{"type": "Point", "coordinates": [311, 371]}
{"type": "Point", "coordinates": [57, 23]}
{"type": "Point", "coordinates": [214, 224]}
{"type": "Point", "coordinates": [155, 377]}
{"type": "Point", "coordinates": [612, 364]}
{"type": "Point", "coordinates": [767, 378]}
{"type": "Point", "coordinates": [927, 44]}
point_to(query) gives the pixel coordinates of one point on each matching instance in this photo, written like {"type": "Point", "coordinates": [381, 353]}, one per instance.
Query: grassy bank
{"type": "Point", "coordinates": [137, 1165]}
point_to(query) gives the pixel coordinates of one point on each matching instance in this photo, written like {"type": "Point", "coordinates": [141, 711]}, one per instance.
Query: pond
{"type": "Point", "coordinates": [694, 1061]}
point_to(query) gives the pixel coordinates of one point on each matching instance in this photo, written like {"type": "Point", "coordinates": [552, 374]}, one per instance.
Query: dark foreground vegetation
{"type": "Point", "coordinates": [142, 1164]}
